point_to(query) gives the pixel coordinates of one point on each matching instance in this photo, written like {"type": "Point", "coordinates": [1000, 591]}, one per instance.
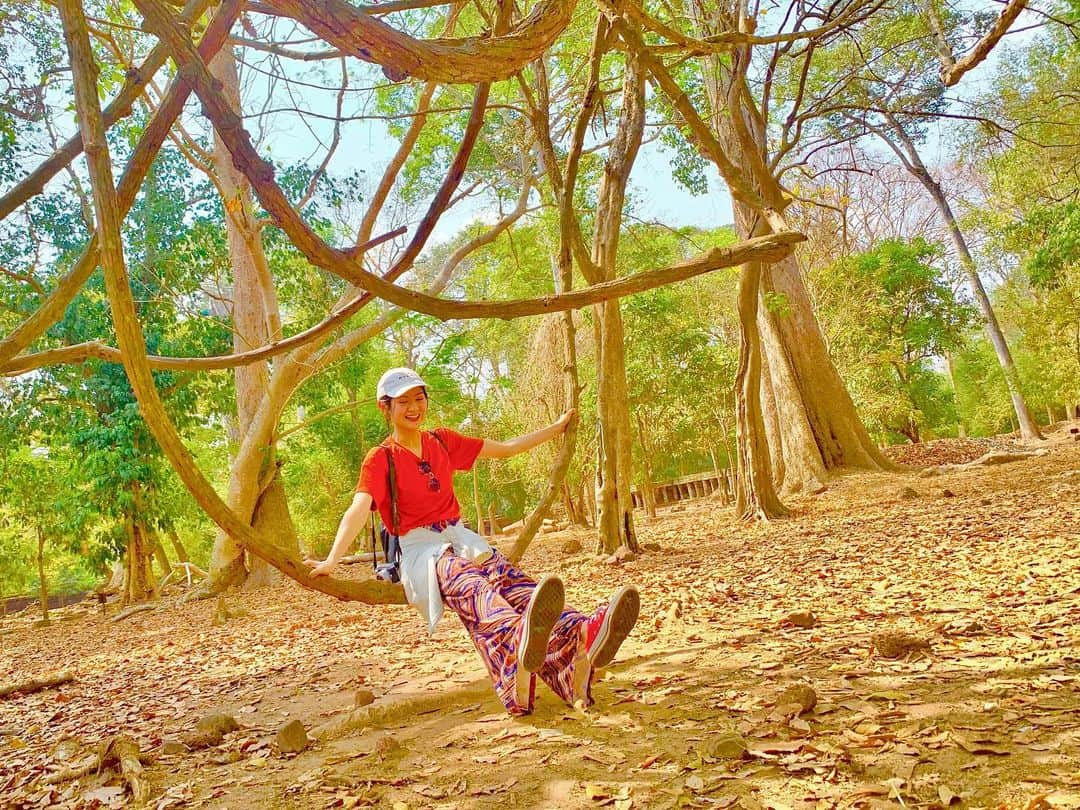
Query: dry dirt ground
{"type": "Point", "coordinates": [980, 567]}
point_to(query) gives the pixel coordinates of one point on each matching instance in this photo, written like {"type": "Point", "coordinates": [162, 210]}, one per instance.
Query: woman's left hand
{"type": "Point", "coordinates": [564, 420]}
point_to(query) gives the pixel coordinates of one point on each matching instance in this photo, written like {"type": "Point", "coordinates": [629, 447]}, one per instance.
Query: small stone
{"type": "Point", "coordinates": [220, 724]}
{"type": "Point", "coordinates": [947, 493]}
{"type": "Point", "coordinates": [571, 546]}
{"type": "Point", "coordinates": [363, 697]}
{"type": "Point", "coordinates": [897, 645]}
{"type": "Point", "coordinates": [800, 696]}
{"type": "Point", "coordinates": [801, 618]}
{"type": "Point", "coordinates": [725, 746]}
{"type": "Point", "coordinates": [171, 746]}
{"type": "Point", "coordinates": [386, 746]}
{"type": "Point", "coordinates": [210, 731]}
{"type": "Point", "coordinates": [907, 493]}
{"type": "Point", "coordinates": [652, 547]}
{"type": "Point", "coordinates": [292, 738]}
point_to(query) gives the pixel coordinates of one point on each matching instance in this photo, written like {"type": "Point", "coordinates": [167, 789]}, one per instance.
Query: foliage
{"type": "Point", "coordinates": [907, 318]}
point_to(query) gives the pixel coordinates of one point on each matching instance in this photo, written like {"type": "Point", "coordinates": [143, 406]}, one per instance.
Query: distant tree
{"type": "Point", "coordinates": [906, 316]}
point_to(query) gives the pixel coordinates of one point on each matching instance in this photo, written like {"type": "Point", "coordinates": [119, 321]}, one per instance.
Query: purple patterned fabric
{"type": "Point", "coordinates": [489, 597]}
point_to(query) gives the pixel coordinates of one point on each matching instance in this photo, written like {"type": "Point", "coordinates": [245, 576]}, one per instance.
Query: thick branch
{"type": "Point", "coordinates": [81, 352]}
{"type": "Point", "coordinates": [450, 61]}
{"type": "Point", "coordinates": [261, 175]}
{"type": "Point", "coordinates": [951, 74]}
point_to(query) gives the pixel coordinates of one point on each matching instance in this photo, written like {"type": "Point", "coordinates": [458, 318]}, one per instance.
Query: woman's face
{"type": "Point", "coordinates": [408, 411]}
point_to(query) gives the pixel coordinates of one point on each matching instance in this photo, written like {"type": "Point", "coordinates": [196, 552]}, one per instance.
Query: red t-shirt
{"type": "Point", "coordinates": [418, 503]}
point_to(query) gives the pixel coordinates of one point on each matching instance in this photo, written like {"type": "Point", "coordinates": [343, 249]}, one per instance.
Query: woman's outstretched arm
{"type": "Point", "coordinates": [352, 523]}
{"type": "Point", "coordinates": [511, 447]}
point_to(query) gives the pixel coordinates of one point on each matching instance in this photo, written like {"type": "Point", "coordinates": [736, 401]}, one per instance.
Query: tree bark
{"type": "Point", "coordinates": [255, 323]}
{"type": "Point", "coordinates": [159, 554]}
{"type": "Point", "coordinates": [139, 584]}
{"type": "Point", "coordinates": [178, 546]}
{"type": "Point", "coordinates": [43, 583]}
{"type": "Point", "coordinates": [648, 497]}
{"type": "Point", "coordinates": [615, 522]}
{"type": "Point", "coordinates": [756, 497]}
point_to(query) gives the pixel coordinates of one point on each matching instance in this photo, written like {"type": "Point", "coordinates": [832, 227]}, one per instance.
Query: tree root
{"type": "Point", "coordinates": [37, 684]}
{"type": "Point", "coordinates": [120, 751]}
{"type": "Point", "coordinates": [187, 568]}
{"type": "Point", "coordinates": [131, 611]}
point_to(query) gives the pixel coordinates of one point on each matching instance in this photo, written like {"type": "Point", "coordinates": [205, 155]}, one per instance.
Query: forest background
{"type": "Point", "coordinates": [931, 202]}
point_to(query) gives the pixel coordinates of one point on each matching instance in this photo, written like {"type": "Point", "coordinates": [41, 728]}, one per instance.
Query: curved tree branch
{"type": "Point", "coordinates": [450, 61]}
{"type": "Point", "coordinates": [261, 175]}
{"type": "Point", "coordinates": [130, 338]}
{"type": "Point", "coordinates": [135, 82]}
{"type": "Point", "coordinates": [157, 130]}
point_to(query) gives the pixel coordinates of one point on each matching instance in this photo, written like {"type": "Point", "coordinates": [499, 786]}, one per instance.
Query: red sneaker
{"type": "Point", "coordinates": [610, 625]}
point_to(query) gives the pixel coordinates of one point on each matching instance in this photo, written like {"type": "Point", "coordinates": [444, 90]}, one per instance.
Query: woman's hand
{"type": "Point", "coordinates": [319, 568]}
{"type": "Point", "coordinates": [564, 420]}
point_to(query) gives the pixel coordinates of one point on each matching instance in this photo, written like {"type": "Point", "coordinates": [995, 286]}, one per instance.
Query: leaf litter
{"type": "Point", "coordinates": [708, 704]}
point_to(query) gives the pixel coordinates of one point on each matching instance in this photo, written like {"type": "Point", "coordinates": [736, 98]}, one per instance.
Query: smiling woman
{"type": "Point", "coordinates": [520, 626]}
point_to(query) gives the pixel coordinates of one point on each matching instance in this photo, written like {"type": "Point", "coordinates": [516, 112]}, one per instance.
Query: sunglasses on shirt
{"type": "Point", "coordinates": [433, 482]}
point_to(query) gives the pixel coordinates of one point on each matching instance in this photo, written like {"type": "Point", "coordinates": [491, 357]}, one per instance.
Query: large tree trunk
{"type": "Point", "coordinates": [255, 322]}
{"type": "Point", "coordinates": [756, 496]}
{"type": "Point", "coordinates": [811, 423]}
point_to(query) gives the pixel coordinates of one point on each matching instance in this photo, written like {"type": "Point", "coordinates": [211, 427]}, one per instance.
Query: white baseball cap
{"type": "Point", "coordinates": [397, 381]}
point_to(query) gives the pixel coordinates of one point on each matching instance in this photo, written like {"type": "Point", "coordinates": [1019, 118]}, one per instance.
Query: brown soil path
{"type": "Point", "coordinates": [989, 716]}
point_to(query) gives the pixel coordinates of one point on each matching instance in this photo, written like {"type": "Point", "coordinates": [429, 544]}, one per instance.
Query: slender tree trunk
{"type": "Point", "coordinates": [904, 147]}
{"type": "Point", "coordinates": [615, 522]}
{"type": "Point", "coordinates": [178, 546]}
{"type": "Point", "coordinates": [1028, 427]}
{"type": "Point", "coordinates": [961, 431]}
{"type": "Point", "coordinates": [756, 496]}
{"type": "Point", "coordinates": [139, 584]}
{"type": "Point", "coordinates": [648, 497]}
{"type": "Point", "coordinates": [43, 583]}
{"type": "Point", "coordinates": [159, 554]}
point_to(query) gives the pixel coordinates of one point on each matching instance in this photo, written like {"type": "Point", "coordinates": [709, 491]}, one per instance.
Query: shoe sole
{"type": "Point", "coordinates": [618, 622]}
{"type": "Point", "coordinates": [545, 607]}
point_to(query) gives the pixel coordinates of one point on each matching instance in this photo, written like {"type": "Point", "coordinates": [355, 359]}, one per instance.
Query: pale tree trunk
{"type": "Point", "coordinates": [159, 554]}
{"type": "Point", "coordinates": [897, 139]}
{"type": "Point", "coordinates": [255, 322]}
{"type": "Point", "coordinates": [178, 546]}
{"type": "Point", "coordinates": [811, 423]}
{"type": "Point", "coordinates": [961, 432]}
{"type": "Point", "coordinates": [615, 521]}
{"type": "Point", "coordinates": [755, 496]}
{"type": "Point", "coordinates": [648, 497]}
{"type": "Point", "coordinates": [43, 583]}
{"type": "Point", "coordinates": [1028, 428]}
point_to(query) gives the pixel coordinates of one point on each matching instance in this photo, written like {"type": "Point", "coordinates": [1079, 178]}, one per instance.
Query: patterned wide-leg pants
{"type": "Point", "coordinates": [490, 597]}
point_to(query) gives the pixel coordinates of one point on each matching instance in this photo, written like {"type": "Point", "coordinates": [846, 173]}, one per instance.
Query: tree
{"type": "Point", "coordinates": [907, 316]}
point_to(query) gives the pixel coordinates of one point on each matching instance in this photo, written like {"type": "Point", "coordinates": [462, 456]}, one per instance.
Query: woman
{"type": "Point", "coordinates": [520, 627]}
